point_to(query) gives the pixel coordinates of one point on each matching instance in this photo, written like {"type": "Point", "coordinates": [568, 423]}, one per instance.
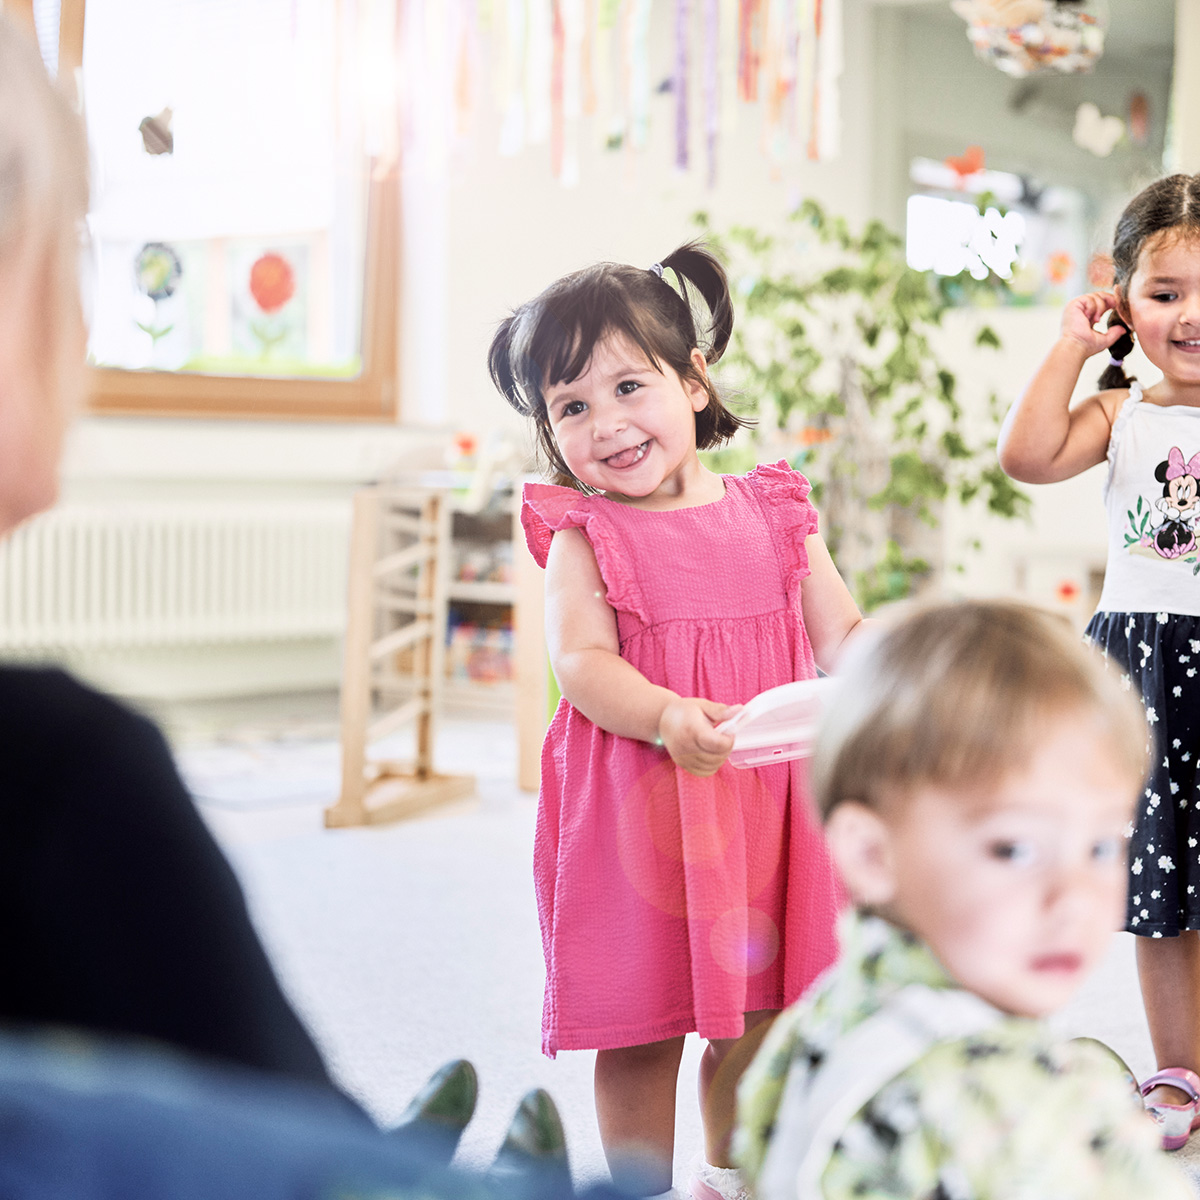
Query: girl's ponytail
{"type": "Point", "coordinates": [695, 264]}
{"type": "Point", "coordinates": [500, 367]}
{"type": "Point", "coordinates": [1114, 375]}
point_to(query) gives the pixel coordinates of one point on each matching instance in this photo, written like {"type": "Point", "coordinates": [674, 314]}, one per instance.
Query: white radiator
{"type": "Point", "coordinates": [88, 578]}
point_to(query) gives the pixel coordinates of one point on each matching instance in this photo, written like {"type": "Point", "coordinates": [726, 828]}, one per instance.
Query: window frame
{"type": "Point", "coordinates": [373, 395]}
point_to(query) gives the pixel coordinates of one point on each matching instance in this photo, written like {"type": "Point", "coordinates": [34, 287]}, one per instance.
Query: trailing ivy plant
{"type": "Point", "coordinates": [831, 353]}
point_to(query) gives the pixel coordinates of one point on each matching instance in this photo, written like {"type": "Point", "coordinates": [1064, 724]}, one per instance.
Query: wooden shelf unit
{"type": "Point", "coordinates": [394, 652]}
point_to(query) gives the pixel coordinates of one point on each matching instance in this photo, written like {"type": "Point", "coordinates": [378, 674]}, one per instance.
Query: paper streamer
{"type": "Point", "coordinates": [512, 127]}
{"type": "Point", "coordinates": [557, 66]}
{"type": "Point", "coordinates": [679, 82]}
{"type": "Point", "coordinates": [539, 50]}
{"type": "Point", "coordinates": [574, 19]}
{"type": "Point", "coordinates": [639, 72]}
{"type": "Point", "coordinates": [750, 36]}
{"type": "Point", "coordinates": [829, 73]}
{"type": "Point", "coordinates": [555, 62]}
{"type": "Point", "coordinates": [712, 87]}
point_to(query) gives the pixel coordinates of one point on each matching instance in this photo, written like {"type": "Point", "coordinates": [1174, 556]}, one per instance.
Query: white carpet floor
{"type": "Point", "coordinates": [408, 945]}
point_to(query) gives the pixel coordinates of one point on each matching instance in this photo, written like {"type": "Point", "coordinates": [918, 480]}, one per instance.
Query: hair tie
{"type": "Point", "coordinates": [1115, 362]}
{"type": "Point", "coordinates": [657, 269]}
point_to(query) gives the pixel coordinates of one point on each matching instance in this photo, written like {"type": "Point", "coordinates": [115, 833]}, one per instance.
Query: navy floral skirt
{"type": "Point", "coordinates": [1160, 655]}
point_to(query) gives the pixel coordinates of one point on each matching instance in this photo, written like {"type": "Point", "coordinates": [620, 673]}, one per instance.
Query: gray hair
{"type": "Point", "coordinates": [43, 153]}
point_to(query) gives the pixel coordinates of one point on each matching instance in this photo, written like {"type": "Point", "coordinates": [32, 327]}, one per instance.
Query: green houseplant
{"type": "Point", "coordinates": [832, 355]}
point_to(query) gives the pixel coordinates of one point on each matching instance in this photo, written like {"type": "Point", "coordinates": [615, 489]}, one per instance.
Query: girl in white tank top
{"type": "Point", "coordinates": [1148, 619]}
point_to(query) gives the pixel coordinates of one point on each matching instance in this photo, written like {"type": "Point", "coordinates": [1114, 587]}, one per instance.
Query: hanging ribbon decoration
{"type": "Point", "coordinates": [573, 17]}
{"type": "Point", "coordinates": [679, 82]}
{"type": "Point", "coordinates": [712, 86]}
{"type": "Point", "coordinates": [512, 127]}
{"type": "Point", "coordinates": [749, 49]}
{"type": "Point", "coordinates": [639, 72]}
{"type": "Point", "coordinates": [558, 36]}
{"type": "Point", "coordinates": [559, 60]}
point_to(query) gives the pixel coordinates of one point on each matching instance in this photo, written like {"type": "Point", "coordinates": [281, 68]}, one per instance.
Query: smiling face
{"type": "Point", "coordinates": [1162, 300]}
{"type": "Point", "coordinates": [625, 428]}
{"type": "Point", "coordinates": [1017, 887]}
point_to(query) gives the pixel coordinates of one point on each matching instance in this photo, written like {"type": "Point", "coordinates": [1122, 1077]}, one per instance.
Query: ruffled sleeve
{"type": "Point", "coordinates": [547, 508]}
{"type": "Point", "coordinates": [783, 493]}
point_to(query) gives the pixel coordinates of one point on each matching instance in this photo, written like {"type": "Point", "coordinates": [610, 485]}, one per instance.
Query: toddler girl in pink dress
{"type": "Point", "coordinates": [676, 893]}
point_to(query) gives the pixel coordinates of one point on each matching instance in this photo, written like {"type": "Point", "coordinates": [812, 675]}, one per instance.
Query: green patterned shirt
{"type": "Point", "coordinates": [1010, 1114]}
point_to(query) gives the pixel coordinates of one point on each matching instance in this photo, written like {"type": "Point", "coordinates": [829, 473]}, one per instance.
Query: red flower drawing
{"type": "Point", "coordinates": [272, 282]}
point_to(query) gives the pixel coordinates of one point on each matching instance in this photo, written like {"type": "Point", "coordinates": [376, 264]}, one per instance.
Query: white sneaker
{"type": "Point", "coordinates": [717, 1183]}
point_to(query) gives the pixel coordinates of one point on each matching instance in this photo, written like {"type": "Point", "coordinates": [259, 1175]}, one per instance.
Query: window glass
{"type": "Point", "coordinates": [229, 191]}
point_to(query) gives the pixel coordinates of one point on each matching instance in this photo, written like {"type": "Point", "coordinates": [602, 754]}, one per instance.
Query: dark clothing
{"type": "Point", "coordinates": [118, 912]}
{"type": "Point", "coordinates": [1160, 655]}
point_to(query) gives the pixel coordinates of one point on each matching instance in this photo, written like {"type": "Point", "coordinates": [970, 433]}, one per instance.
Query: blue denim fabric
{"type": "Point", "coordinates": [84, 1119]}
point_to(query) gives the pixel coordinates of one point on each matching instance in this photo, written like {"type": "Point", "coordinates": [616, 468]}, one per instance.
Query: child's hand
{"type": "Point", "coordinates": [686, 728]}
{"type": "Point", "coordinates": [1081, 316]}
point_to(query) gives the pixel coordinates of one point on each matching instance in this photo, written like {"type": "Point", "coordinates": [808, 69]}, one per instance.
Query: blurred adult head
{"type": "Point", "coordinates": [43, 201]}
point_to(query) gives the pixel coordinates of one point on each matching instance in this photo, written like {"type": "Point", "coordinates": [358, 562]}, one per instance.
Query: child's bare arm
{"type": "Point", "coordinates": [830, 613]}
{"type": "Point", "coordinates": [581, 632]}
{"type": "Point", "coordinates": [1043, 439]}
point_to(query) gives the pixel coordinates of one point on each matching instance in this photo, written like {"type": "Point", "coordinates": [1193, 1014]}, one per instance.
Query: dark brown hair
{"type": "Point", "coordinates": [956, 695]}
{"type": "Point", "coordinates": [1171, 203]}
{"type": "Point", "coordinates": [550, 339]}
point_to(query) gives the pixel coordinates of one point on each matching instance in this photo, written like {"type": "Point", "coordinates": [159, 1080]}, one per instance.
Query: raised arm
{"type": "Point", "coordinates": [581, 634]}
{"type": "Point", "coordinates": [1043, 439]}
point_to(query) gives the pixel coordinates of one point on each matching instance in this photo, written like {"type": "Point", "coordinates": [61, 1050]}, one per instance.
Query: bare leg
{"type": "Point", "coordinates": [721, 1067]}
{"type": "Point", "coordinates": [635, 1108]}
{"type": "Point", "coordinates": [1169, 970]}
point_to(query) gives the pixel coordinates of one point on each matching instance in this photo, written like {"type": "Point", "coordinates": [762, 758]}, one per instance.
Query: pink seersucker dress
{"type": "Point", "coordinates": [670, 903]}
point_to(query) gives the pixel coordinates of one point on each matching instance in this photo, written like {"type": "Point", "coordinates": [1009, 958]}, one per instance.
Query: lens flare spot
{"type": "Point", "coordinates": [698, 847]}
{"type": "Point", "coordinates": [744, 941]}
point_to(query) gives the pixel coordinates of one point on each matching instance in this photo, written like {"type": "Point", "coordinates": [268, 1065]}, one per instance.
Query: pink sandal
{"type": "Point", "coordinates": [1175, 1121]}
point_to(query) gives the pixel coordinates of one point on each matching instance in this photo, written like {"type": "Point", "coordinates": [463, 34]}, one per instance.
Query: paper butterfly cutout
{"type": "Point", "coordinates": [1096, 132]}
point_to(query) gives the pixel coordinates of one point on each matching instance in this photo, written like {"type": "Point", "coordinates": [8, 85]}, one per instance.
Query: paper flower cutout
{"type": "Point", "coordinates": [1059, 267]}
{"type": "Point", "coordinates": [272, 282]}
{"type": "Point", "coordinates": [157, 270]}
{"type": "Point", "coordinates": [970, 162]}
{"type": "Point", "coordinates": [1095, 132]}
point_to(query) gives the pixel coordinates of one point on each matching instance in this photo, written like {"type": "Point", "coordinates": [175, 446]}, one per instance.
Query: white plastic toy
{"type": "Point", "coordinates": [777, 725]}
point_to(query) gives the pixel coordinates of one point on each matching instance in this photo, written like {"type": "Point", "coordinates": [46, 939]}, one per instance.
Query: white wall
{"type": "Point", "coordinates": [494, 231]}
{"type": "Point", "coordinates": [513, 231]}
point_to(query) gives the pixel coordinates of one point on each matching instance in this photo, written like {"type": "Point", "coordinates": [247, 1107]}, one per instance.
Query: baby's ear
{"type": "Point", "coordinates": [861, 845]}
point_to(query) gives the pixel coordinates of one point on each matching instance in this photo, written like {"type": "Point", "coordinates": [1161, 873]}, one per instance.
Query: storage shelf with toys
{"type": "Point", "coordinates": [481, 599]}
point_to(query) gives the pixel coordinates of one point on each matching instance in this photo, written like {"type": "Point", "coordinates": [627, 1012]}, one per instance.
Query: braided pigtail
{"type": "Point", "coordinates": [1114, 375]}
